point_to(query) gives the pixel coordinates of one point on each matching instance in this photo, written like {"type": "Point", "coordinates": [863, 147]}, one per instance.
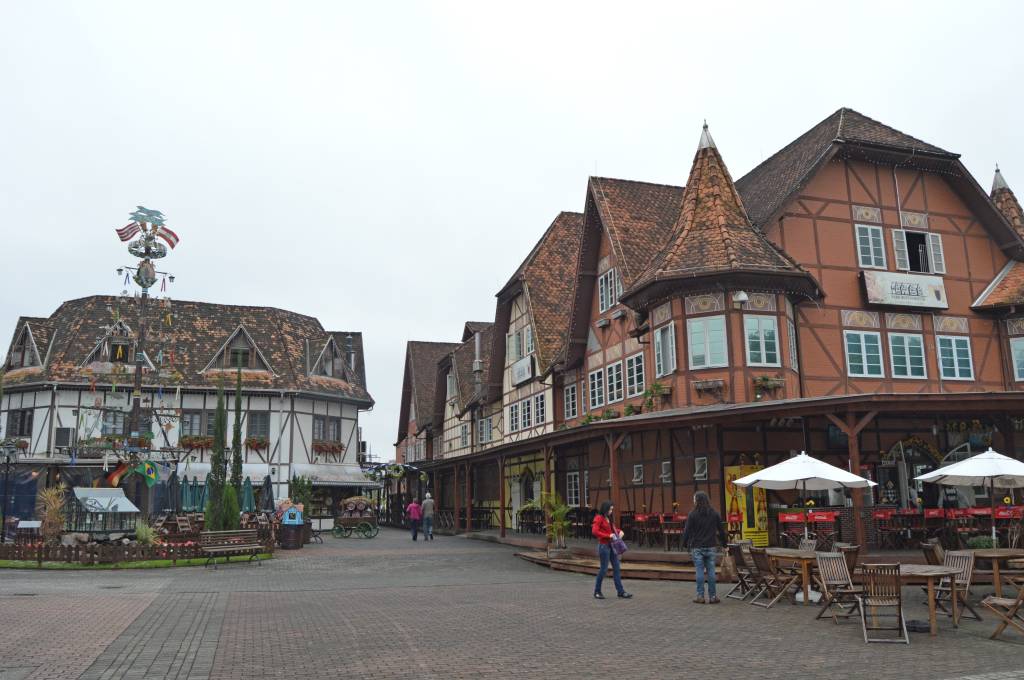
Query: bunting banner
{"type": "Point", "coordinates": [126, 232]}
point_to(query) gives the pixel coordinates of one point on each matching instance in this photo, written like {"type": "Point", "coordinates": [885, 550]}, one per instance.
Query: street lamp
{"type": "Point", "coordinates": [10, 454]}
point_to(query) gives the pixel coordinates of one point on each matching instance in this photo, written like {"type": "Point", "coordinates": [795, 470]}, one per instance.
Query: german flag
{"type": "Point", "coordinates": [117, 474]}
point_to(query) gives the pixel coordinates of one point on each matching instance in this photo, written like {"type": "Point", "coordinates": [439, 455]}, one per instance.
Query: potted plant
{"type": "Point", "coordinates": [557, 525]}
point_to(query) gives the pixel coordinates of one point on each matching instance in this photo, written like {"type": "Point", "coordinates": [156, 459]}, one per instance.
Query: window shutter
{"type": "Point", "coordinates": [509, 349]}
{"type": "Point", "coordinates": [938, 261]}
{"type": "Point", "coordinates": [659, 354]}
{"type": "Point", "coordinates": [672, 347]}
{"type": "Point", "coordinates": [899, 245]}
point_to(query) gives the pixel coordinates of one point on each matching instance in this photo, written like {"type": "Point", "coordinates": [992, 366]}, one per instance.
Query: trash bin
{"type": "Point", "coordinates": [291, 529]}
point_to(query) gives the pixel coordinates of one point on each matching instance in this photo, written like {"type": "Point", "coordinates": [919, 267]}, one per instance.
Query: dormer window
{"type": "Point", "coordinates": [239, 352]}
{"type": "Point", "coordinates": [23, 354]}
{"type": "Point", "coordinates": [451, 385]}
{"type": "Point", "coordinates": [120, 351]}
{"type": "Point", "coordinates": [519, 344]}
{"type": "Point", "coordinates": [331, 362]}
{"type": "Point", "coordinates": [116, 347]}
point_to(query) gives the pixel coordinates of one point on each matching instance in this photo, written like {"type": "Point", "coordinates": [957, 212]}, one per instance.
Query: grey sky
{"type": "Point", "coordinates": [386, 166]}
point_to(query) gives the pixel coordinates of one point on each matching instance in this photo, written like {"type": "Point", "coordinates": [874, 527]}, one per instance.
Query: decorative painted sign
{"type": "Point", "coordinates": [522, 370]}
{"type": "Point", "coordinates": [905, 290]}
{"type": "Point", "coordinates": [746, 508]}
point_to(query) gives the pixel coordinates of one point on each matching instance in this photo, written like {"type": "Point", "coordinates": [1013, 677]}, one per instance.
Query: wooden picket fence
{"type": "Point", "coordinates": [99, 554]}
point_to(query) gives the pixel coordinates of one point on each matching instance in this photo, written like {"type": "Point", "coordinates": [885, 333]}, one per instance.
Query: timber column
{"type": "Point", "coordinates": [614, 441]}
{"type": "Point", "coordinates": [852, 427]}
{"type": "Point", "coordinates": [501, 496]}
{"type": "Point", "coordinates": [469, 497]}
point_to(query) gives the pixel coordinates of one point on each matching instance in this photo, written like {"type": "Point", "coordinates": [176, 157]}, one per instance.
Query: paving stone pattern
{"type": "Point", "coordinates": [451, 608]}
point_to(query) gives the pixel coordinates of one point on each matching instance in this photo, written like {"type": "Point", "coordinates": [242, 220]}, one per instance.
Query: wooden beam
{"type": "Point", "coordinates": [847, 427]}
{"type": "Point", "coordinates": [853, 446]}
{"type": "Point", "coordinates": [501, 495]}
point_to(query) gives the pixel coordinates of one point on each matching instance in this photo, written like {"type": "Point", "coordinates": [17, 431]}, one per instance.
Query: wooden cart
{"type": "Point", "coordinates": [358, 516]}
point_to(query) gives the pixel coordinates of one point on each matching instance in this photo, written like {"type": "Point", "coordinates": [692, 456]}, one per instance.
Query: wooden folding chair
{"type": "Point", "coordinates": [882, 590]}
{"type": "Point", "coordinates": [744, 576]}
{"type": "Point", "coordinates": [851, 553]}
{"type": "Point", "coordinates": [774, 583]}
{"type": "Point", "coordinates": [963, 562]}
{"type": "Point", "coordinates": [1009, 611]}
{"type": "Point", "coordinates": [836, 585]}
{"type": "Point", "coordinates": [933, 553]}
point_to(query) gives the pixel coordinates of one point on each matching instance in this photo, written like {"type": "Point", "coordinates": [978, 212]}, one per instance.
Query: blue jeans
{"type": "Point", "coordinates": [605, 553]}
{"type": "Point", "coordinates": [428, 526]}
{"type": "Point", "coordinates": [704, 558]}
{"type": "Point", "coordinates": [414, 524]}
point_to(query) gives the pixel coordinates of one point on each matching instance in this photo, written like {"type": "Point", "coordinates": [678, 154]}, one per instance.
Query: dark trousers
{"type": "Point", "coordinates": [414, 524]}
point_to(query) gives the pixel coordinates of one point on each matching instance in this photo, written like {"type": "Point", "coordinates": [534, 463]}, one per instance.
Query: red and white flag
{"type": "Point", "coordinates": [167, 235]}
{"type": "Point", "coordinates": [126, 232]}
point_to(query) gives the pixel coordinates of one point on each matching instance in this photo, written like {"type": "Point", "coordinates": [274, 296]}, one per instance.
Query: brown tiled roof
{"type": "Point", "coordinates": [1007, 203]}
{"type": "Point", "coordinates": [463, 358]}
{"type": "Point", "coordinates": [472, 327]}
{"type": "Point", "coordinates": [767, 187]}
{"type": "Point", "coordinates": [419, 382]}
{"type": "Point", "coordinates": [196, 334]}
{"type": "Point", "coordinates": [712, 233]}
{"type": "Point", "coordinates": [638, 218]}
{"type": "Point", "coordinates": [1008, 286]}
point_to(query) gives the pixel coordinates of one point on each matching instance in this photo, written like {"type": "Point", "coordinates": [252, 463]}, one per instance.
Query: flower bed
{"type": "Point", "coordinates": [103, 554]}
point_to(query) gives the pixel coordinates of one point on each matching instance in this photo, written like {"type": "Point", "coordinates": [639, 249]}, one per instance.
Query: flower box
{"type": "Point", "coordinates": [325, 446]}
{"type": "Point", "coordinates": [257, 443]}
{"type": "Point", "coordinates": [195, 442]}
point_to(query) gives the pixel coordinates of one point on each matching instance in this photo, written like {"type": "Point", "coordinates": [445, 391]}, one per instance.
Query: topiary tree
{"type": "Point", "coordinates": [236, 437]}
{"type": "Point", "coordinates": [217, 478]}
{"type": "Point", "coordinates": [230, 510]}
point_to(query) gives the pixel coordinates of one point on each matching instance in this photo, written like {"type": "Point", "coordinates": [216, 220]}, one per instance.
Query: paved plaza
{"type": "Point", "coordinates": [453, 608]}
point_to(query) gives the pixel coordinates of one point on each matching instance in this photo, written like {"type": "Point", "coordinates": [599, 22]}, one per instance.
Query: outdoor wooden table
{"type": "Point", "coordinates": [998, 555]}
{"type": "Point", "coordinates": [932, 573]}
{"type": "Point", "coordinates": [806, 558]}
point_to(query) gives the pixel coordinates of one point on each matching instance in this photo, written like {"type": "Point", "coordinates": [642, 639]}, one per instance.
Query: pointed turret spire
{"type": "Point", "coordinates": [998, 182]}
{"type": "Point", "coordinates": [705, 139]}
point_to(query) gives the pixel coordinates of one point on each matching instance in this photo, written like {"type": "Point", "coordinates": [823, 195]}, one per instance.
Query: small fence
{"type": "Point", "coordinates": [101, 554]}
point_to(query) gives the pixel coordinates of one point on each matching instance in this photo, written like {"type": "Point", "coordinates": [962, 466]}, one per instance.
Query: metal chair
{"type": "Point", "coordinates": [963, 562]}
{"type": "Point", "coordinates": [1008, 610]}
{"type": "Point", "coordinates": [774, 583]}
{"type": "Point", "coordinates": [744, 577]}
{"type": "Point", "coordinates": [837, 587]}
{"type": "Point", "coordinates": [882, 590]}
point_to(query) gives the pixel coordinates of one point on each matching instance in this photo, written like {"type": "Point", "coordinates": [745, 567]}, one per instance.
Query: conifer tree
{"type": "Point", "coordinates": [236, 439]}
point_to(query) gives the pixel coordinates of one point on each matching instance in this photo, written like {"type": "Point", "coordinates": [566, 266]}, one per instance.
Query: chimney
{"type": "Point", "coordinates": [478, 364]}
{"type": "Point", "coordinates": [350, 353]}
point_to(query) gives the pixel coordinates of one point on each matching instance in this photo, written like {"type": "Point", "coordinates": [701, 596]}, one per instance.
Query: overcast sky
{"type": "Point", "coordinates": [386, 166]}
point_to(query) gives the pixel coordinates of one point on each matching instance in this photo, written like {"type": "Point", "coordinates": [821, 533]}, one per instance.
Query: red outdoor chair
{"type": "Point", "coordinates": [792, 528]}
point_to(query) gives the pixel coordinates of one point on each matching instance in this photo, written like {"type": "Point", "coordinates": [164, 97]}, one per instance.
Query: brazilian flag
{"type": "Point", "coordinates": [148, 472]}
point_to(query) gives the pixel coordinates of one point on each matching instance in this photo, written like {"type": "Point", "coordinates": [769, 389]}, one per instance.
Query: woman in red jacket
{"type": "Point", "coordinates": [603, 530]}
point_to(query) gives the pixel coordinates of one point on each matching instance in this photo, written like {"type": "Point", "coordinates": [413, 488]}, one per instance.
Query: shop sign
{"type": "Point", "coordinates": [522, 370]}
{"type": "Point", "coordinates": [905, 290]}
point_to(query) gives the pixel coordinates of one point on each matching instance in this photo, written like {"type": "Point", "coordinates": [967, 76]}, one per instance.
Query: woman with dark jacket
{"type": "Point", "coordinates": [701, 534]}
{"type": "Point", "coordinates": [604, 530]}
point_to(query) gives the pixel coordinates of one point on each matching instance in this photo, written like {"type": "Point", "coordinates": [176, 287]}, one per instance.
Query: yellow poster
{"type": "Point", "coordinates": [746, 509]}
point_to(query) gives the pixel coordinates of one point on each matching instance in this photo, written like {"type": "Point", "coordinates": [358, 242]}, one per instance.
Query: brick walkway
{"type": "Point", "coordinates": [454, 608]}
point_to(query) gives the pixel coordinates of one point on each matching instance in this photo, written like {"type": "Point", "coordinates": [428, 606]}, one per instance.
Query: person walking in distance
{"type": "Point", "coordinates": [427, 508]}
{"type": "Point", "coordinates": [604, 530]}
{"type": "Point", "coordinates": [415, 513]}
{"type": "Point", "coordinates": [701, 536]}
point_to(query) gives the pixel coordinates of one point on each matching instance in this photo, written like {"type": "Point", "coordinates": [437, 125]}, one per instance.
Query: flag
{"type": "Point", "coordinates": [115, 477]}
{"type": "Point", "coordinates": [167, 235]}
{"type": "Point", "coordinates": [148, 472]}
{"type": "Point", "coordinates": [126, 232]}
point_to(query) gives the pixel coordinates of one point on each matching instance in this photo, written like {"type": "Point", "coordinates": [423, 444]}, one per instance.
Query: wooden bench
{"type": "Point", "coordinates": [214, 544]}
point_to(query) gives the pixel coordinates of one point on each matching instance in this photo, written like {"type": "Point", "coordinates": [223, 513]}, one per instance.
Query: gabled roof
{"type": "Point", "coordinates": [418, 383]}
{"type": "Point", "coordinates": [1007, 288]}
{"type": "Point", "coordinates": [712, 234]}
{"type": "Point", "coordinates": [196, 332]}
{"type": "Point", "coordinates": [472, 327]}
{"type": "Point", "coordinates": [240, 331]}
{"type": "Point", "coordinates": [460, 362]}
{"type": "Point", "coordinates": [766, 188]}
{"type": "Point", "coordinates": [546, 278]}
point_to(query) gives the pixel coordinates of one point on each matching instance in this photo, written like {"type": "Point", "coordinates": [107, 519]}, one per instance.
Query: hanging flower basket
{"type": "Point", "coordinates": [21, 444]}
{"type": "Point", "coordinates": [257, 443]}
{"type": "Point", "coordinates": [324, 446]}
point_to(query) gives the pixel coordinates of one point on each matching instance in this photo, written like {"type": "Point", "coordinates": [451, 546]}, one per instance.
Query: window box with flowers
{"type": "Point", "coordinates": [325, 446]}
{"type": "Point", "coordinates": [21, 444]}
{"type": "Point", "coordinates": [257, 443]}
{"type": "Point", "coordinates": [191, 442]}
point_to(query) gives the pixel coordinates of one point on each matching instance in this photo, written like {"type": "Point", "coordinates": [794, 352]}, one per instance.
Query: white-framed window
{"type": "Point", "coordinates": [513, 417]}
{"type": "Point", "coordinates": [525, 414]}
{"type": "Point", "coordinates": [918, 251]}
{"type": "Point", "coordinates": [700, 468]}
{"type": "Point", "coordinates": [614, 382]}
{"type": "Point", "coordinates": [540, 409]}
{"type": "Point", "coordinates": [863, 354]}
{"type": "Point", "coordinates": [870, 247]}
{"type": "Point", "coordinates": [955, 362]}
{"type": "Point", "coordinates": [906, 355]}
{"type": "Point", "coordinates": [586, 487]}
{"type": "Point", "coordinates": [485, 430]}
{"type": "Point", "coordinates": [451, 385]}
{"type": "Point", "coordinates": [464, 435]}
{"type": "Point", "coordinates": [666, 472]}
{"type": "Point", "coordinates": [706, 341]}
{"type": "Point", "coordinates": [635, 375]}
{"type": "Point", "coordinates": [519, 344]}
{"type": "Point", "coordinates": [609, 287]}
{"type": "Point", "coordinates": [1017, 352]}
{"type": "Point", "coordinates": [596, 380]}
{"type": "Point", "coordinates": [569, 408]}
{"type": "Point", "coordinates": [638, 474]}
{"type": "Point", "coordinates": [528, 340]}
{"type": "Point", "coordinates": [572, 489]}
{"type": "Point", "coordinates": [762, 333]}
{"type": "Point", "coordinates": [665, 350]}
{"type": "Point", "coordinates": [794, 357]}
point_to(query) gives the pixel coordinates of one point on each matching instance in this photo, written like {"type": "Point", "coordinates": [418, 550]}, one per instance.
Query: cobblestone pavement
{"type": "Point", "coordinates": [452, 608]}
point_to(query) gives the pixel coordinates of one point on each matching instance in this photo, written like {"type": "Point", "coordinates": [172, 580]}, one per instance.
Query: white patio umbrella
{"type": "Point", "coordinates": [804, 473]}
{"type": "Point", "coordinates": [990, 469]}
